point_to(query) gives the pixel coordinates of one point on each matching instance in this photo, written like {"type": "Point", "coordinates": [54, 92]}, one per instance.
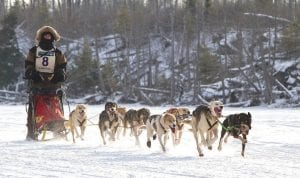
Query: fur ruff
{"type": "Point", "coordinates": [49, 29]}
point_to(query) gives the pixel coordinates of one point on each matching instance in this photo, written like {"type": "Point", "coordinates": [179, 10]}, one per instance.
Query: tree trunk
{"type": "Point", "coordinates": [101, 80]}
{"type": "Point", "coordinates": [173, 13]}
{"type": "Point", "coordinates": [69, 9]}
{"type": "Point", "coordinates": [195, 62]}
{"type": "Point", "coordinates": [225, 67]}
{"type": "Point", "coordinates": [187, 56]}
{"type": "Point", "coordinates": [2, 8]}
{"type": "Point", "coordinates": [266, 76]}
{"type": "Point", "coordinates": [150, 62]}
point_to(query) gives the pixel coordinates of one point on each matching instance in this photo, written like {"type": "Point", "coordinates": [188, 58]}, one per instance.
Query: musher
{"type": "Point", "coordinates": [45, 69]}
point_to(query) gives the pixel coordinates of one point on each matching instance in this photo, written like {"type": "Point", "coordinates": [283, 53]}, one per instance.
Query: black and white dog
{"type": "Point", "coordinates": [236, 125]}
{"type": "Point", "coordinates": [109, 121]}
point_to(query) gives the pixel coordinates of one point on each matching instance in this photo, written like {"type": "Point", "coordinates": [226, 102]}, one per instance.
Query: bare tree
{"type": "Point", "coordinates": [172, 15]}
{"type": "Point", "coordinates": [190, 31]}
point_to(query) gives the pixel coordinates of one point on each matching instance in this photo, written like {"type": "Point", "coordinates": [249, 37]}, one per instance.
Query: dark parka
{"type": "Point", "coordinates": [43, 80]}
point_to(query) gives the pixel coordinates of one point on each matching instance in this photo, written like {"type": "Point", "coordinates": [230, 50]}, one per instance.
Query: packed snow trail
{"type": "Point", "coordinates": [272, 150]}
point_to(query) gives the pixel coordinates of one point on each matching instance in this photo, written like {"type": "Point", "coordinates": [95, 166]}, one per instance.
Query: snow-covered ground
{"type": "Point", "coordinates": [272, 150]}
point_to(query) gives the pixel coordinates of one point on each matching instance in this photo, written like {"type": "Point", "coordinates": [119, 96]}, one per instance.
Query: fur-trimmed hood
{"type": "Point", "coordinates": [47, 29]}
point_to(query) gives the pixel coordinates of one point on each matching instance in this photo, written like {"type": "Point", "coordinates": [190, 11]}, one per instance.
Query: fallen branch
{"type": "Point", "coordinates": [284, 88]}
{"type": "Point", "coordinates": [202, 99]}
{"type": "Point", "coordinates": [153, 90]}
{"type": "Point", "coordinates": [11, 92]}
{"type": "Point", "coordinates": [145, 97]}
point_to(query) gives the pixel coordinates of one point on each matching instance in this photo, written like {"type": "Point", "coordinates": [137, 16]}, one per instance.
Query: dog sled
{"type": "Point", "coordinates": [45, 113]}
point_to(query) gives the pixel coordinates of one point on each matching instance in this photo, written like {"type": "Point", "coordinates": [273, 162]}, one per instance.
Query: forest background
{"type": "Point", "coordinates": [243, 52]}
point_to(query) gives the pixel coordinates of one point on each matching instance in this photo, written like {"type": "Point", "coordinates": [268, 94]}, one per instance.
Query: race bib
{"type": "Point", "coordinates": [45, 60]}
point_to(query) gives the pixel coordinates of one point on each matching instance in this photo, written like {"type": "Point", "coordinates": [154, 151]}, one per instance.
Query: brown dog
{"type": "Point", "coordinates": [109, 121]}
{"type": "Point", "coordinates": [181, 114]}
{"type": "Point", "coordinates": [205, 123]}
{"type": "Point", "coordinates": [122, 111]}
{"type": "Point", "coordinates": [136, 119]}
{"type": "Point", "coordinates": [160, 125]}
{"type": "Point", "coordinates": [77, 118]}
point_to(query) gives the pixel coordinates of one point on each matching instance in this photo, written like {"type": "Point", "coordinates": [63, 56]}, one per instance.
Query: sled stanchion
{"type": "Point", "coordinates": [44, 133]}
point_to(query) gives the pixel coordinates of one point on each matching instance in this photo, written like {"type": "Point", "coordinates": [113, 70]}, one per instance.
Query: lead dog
{"type": "Point", "coordinates": [136, 120]}
{"type": "Point", "coordinates": [77, 118]}
{"type": "Point", "coordinates": [236, 125]}
{"type": "Point", "coordinates": [109, 121]}
{"type": "Point", "coordinates": [205, 123]}
{"type": "Point", "coordinates": [181, 114]}
{"type": "Point", "coordinates": [160, 125]}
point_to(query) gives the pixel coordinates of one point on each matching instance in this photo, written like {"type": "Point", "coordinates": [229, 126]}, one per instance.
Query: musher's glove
{"type": "Point", "coordinates": [59, 76]}
{"type": "Point", "coordinates": [28, 74]}
{"type": "Point", "coordinates": [34, 75]}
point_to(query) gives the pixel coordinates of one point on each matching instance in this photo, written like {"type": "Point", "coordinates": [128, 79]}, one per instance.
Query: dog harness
{"type": "Point", "coordinates": [162, 126]}
{"type": "Point", "coordinates": [211, 125]}
{"type": "Point", "coordinates": [231, 125]}
{"type": "Point", "coordinates": [179, 126]}
{"type": "Point", "coordinates": [115, 118]}
{"type": "Point", "coordinates": [154, 124]}
{"type": "Point", "coordinates": [81, 123]}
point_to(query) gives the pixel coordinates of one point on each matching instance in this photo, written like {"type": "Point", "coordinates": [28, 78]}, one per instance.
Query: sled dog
{"type": "Point", "coordinates": [181, 114]}
{"type": "Point", "coordinates": [236, 125]}
{"type": "Point", "coordinates": [160, 126]}
{"type": "Point", "coordinates": [205, 123]}
{"type": "Point", "coordinates": [135, 120]}
{"type": "Point", "coordinates": [122, 111]}
{"type": "Point", "coordinates": [109, 121]}
{"type": "Point", "coordinates": [77, 118]}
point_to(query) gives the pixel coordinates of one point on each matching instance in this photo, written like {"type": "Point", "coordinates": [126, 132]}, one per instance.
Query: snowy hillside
{"type": "Point", "coordinates": [148, 81]}
{"type": "Point", "coordinates": [272, 150]}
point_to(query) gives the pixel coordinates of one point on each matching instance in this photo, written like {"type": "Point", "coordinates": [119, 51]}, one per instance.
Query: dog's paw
{"type": "Point", "coordinates": [219, 148]}
{"type": "Point", "coordinates": [154, 136]}
{"type": "Point", "coordinates": [201, 154]}
{"type": "Point", "coordinates": [204, 143]}
{"type": "Point", "coordinates": [209, 147]}
{"type": "Point", "coordinates": [149, 144]}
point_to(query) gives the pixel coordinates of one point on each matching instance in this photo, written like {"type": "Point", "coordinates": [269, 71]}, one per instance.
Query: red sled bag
{"type": "Point", "coordinates": [47, 109]}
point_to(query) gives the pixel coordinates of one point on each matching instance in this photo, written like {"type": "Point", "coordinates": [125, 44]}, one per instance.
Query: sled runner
{"type": "Point", "coordinates": [45, 113]}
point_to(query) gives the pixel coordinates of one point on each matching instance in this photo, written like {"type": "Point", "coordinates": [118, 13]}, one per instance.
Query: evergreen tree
{"type": "Point", "coordinates": [10, 57]}
{"type": "Point", "coordinates": [291, 40]}
{"type": "Point", "coordinates": [84, 76]}
{"type": "Point", "coordinates": [109, 76]}
{"type": "Point", "coordinates": [209, 67]}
